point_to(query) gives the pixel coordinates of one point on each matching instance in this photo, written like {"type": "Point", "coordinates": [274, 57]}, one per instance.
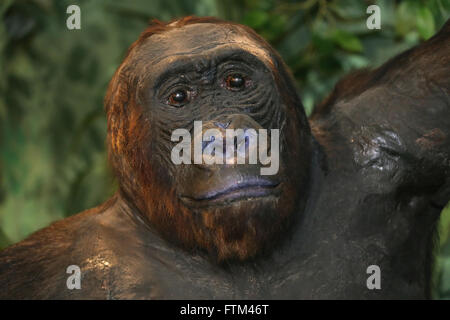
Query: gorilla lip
{"type": "Point", "coordinates": [244, 190]}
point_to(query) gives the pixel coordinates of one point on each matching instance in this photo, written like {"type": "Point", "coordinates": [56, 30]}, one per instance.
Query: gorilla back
{"type": "Point", "coordinates": [360, 184]}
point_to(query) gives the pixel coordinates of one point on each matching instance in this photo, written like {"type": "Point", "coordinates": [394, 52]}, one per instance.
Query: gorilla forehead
{"type": "Point", "coordinates": [202, 40]}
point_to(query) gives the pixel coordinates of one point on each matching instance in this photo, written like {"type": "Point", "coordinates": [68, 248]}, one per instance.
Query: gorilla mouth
{"type": "Point", "coordinates": [243, 190]}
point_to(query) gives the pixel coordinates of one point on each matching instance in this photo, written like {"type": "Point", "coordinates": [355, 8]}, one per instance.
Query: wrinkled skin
{"type": "Point", "coordinates": [361, 183]}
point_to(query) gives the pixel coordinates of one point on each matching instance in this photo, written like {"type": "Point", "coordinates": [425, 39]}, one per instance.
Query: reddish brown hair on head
{"type": "Point", "coordinates": [156, 26]}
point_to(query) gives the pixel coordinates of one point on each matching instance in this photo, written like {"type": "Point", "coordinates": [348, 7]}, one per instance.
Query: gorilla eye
{"type": "Point", "coordinates": [178, 98]}
{"type": "Point", "coordinates": [235, 82]}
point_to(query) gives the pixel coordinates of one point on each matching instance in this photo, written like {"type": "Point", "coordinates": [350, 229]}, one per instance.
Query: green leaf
{"type": "Point", "coordinates": [405, 19]}
{"type": "Point", "coordinates": [347, 41]}
{"type": "Point", "coordinates": [256, 19]}
{"type": "Point", "coordinates": [4, 241]}
{"type": "Point", "coordinates": [425, 23]}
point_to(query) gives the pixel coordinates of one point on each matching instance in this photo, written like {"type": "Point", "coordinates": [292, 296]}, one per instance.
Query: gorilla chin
{"type": "Point", "coordinates": [239, 215]}
{"type": "Point", "coordinates": [242, 223]}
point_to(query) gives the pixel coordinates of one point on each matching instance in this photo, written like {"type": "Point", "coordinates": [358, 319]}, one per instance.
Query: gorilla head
{"type": "Point", "coordinates": [228, 77]}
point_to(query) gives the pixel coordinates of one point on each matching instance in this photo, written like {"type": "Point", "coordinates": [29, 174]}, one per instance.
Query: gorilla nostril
{"type": "Point", "coordinates": [206, 143]}
{"type": "Point", "coordinates": [222, 125]}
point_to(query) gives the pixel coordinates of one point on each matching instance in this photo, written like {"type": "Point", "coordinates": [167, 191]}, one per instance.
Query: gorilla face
{"type": "Point", "coordinates": [227, 77]}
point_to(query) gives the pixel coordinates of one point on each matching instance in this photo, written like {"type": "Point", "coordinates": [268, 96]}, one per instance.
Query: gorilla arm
{"type": "Point", "coordinates": [399, 117]}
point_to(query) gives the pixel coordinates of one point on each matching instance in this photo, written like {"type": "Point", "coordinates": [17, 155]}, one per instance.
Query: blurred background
{"type": "Point", "coordinates": [53, 80]}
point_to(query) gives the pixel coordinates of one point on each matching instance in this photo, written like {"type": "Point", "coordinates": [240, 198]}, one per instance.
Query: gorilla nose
{"type": "Point", "coordinates": [233, 140]}
{"type": "Point", "coordinates": [241, 141]}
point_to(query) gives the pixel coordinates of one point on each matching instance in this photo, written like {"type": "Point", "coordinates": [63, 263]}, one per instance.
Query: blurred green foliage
{"type": "Point", "coordinates": [52, 82]}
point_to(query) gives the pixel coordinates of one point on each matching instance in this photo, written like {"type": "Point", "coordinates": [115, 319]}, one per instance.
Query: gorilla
{"type": "Point", "coordinates": [360, 184]}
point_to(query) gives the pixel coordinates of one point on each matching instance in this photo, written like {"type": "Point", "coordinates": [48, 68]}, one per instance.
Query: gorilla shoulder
{"type": "Point", "coordinates": [36, 268]}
